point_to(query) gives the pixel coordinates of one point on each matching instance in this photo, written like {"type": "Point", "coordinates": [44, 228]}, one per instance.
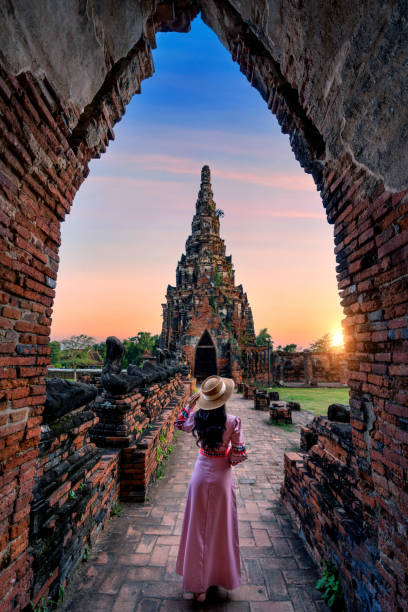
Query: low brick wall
{"type": "Point", "coordinates": [141, 423]}
{"type": "Point", "coordinates": [123, 419]}
{"type": "Point", "coordinates": [77, 481]}
{"type": "Point", "coordinates": [120, 419]}
{"type": "Point", "coordinates": [321, 494]}
{"type": "Point", "coordinates": [140, 461]}
{"type": "Point", "coordinates": [76, 485]}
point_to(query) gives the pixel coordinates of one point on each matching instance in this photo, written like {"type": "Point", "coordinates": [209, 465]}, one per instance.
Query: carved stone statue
{"type": "Point", "coordinates": [149, 372]}
{"type": "Point", "coordinates": [63, 396]}
{"type": "Point", "coordinates": [158, 372]}
{"type": "Point", "coordinates": [134, 370]}
{"type": "Point", "coordinates": [112, 378]}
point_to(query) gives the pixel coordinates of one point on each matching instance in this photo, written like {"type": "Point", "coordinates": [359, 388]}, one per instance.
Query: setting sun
{"type": "Point", "coordinates": [337, 338]}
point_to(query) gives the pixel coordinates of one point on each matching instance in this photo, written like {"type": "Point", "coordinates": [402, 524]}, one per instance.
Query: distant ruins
{"type": "Point", "coordinates": [206, 317]}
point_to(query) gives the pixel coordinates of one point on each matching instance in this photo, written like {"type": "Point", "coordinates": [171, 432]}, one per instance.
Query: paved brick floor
{"type": "Point", "coordinates": [131, 568]}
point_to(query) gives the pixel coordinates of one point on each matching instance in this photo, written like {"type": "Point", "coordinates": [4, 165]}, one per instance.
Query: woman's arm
{"type": "Point", "coordinates": [185, 420]}
{"type": "Point", "coordinates": [238, 449]}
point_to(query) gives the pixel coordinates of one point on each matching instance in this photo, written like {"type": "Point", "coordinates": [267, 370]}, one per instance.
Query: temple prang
{"type": "Point", "coordinates": [207, 319]}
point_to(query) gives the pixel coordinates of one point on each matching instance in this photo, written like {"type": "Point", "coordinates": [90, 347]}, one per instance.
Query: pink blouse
{"type": "Point", "coordinates": [232, 444]}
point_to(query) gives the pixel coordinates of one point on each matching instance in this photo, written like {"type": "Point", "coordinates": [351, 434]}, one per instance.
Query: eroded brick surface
{"type": "Point", "coordinates": [132, 565]}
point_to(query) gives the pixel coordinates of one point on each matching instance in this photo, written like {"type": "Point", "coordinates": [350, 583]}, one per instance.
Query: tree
{"type": "Point", "coordinates": [322, 345]}
{"type": "Point", "coordinates": [100, 347]}
{"type": "Point", "coordinates": [74, 346]}
{"type": "Point", "coordinates": [290, 348]}
{"type": "Point", "coordinates": [55, 353]}
{"type": "Point", "coordinates": [264, 337]}
{"type": "Point", "coordinates": [136, 346]}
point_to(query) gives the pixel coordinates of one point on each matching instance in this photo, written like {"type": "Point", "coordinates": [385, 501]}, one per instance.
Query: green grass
{"type": "Point", "coordinates": [315, 400]}
{"type": "Point", "coordinates": [284, 426]}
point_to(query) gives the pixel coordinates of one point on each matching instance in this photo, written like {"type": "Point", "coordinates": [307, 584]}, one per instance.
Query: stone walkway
{"type": "Point", "coordinates": [131, 568]}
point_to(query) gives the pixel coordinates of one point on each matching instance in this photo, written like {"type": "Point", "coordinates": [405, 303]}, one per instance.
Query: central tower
{"type": "Point", "coordinates": [206, 318]}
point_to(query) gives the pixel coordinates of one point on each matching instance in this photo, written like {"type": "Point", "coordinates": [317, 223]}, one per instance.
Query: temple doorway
{"type": "Point", "coordinates": [205, 358]}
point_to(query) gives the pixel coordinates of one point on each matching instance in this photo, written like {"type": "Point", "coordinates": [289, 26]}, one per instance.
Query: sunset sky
{"type": "Point", "coordinates": [132, 216]}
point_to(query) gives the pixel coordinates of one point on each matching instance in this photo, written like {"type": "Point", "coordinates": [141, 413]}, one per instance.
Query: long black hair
{"type": "Point", "coordinates": [209, 425]}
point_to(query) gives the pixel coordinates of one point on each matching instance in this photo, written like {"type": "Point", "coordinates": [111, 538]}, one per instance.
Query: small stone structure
{"type": "Point", "coordinates": [249, 391]}
{"type": "Point", "coordinates": [280, 411]}
{"type": "Point", "coordinates": [207, 318]}
{"type": "Point", "coordinates": [261, 400]}
{"type": "Point", "coordinates": [294, 406]}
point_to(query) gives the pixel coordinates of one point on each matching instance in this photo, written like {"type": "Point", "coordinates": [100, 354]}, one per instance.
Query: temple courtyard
{"type": "Point", "coordinates": [131, 567]}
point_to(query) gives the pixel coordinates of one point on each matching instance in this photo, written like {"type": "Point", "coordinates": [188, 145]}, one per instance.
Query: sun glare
{"type": "Point", "coordinates": [337, 338]}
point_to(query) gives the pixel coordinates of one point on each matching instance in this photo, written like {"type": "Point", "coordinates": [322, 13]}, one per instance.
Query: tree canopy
{"type": "Point", "coordinates": [322, 345]}
{"type": "Point", "coordinates": [288, 348]}
{"type": "Point", "coordinates": [55, 353]}
{"type": "Point", "coordinates": [83, 351]}
{"type": "Point", "coordinates": [264, 337]}
{"type": "Point", "coordinates": [136, 346]}
{"type": "Point", "coordinates": [75, 346]}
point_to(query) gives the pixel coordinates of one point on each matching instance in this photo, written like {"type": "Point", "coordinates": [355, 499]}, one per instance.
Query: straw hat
{"type": "Point", "coordinates": [214, 392]}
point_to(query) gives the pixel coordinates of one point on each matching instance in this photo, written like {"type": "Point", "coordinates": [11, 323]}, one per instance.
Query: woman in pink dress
{"type": "Point", "coordinates": [209, 546]}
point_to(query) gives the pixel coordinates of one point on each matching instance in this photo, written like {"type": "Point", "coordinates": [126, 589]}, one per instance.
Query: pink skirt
{"type": "Point", "coordinates": [209, 546]}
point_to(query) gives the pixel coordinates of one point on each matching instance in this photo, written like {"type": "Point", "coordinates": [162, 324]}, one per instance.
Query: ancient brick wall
{"type": "Point", "coordinates": [305, 368]}
{"type": "Point", "coordinates": [76, 485]}
{"type": "Point", "coordinates": [78, 482]}
{"type": "Point", "coordinates": [322, 493]}
{"type": "Point", "coordinates": [341, 98]}
{"type": "Point", "coordinates": [141, 423]}
{"type": "Point", "coordinates": [39, 175]}
{"type": "Point", "coordinates": [44, 158]}
{"type": "Point", "coordinates": [309, 368]}
{"type": "Point", "coordinates": [141, 460]}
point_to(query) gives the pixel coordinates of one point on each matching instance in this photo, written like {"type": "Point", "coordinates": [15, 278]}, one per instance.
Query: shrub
{"type": "Point", "coordinates": [329, 584]}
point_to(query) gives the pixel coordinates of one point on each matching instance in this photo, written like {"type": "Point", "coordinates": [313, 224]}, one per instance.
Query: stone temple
{"type": "Point", "coordinates": [207, 318]}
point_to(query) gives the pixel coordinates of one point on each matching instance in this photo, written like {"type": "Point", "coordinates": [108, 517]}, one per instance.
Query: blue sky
{"type": "Point", "coordinates": [132, 216]}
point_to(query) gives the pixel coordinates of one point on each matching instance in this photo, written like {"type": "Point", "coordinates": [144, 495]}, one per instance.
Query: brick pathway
{"type": "Point", "coordinates": [131, 568]}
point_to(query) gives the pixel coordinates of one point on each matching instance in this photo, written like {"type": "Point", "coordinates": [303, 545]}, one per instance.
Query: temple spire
{"type": "Point", "coordinates": [205, 204]}
{"type": "Point", "coordinates": [206, 317]}
{"type": "Point", "coordinates": [206, 175]}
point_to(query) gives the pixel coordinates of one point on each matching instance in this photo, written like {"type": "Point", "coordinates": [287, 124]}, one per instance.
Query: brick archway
{"type": "Point", "coordinates": [205, 357]}
{"type": "Point", "coordinates": [335, 79]}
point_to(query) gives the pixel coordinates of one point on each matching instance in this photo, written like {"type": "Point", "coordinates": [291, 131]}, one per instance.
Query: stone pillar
{"type": "Point", "coordinates": [308, 367]}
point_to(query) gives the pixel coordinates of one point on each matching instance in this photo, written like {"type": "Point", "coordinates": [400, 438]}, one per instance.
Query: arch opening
{"type": "Point", "coordinates": [205, 362]}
